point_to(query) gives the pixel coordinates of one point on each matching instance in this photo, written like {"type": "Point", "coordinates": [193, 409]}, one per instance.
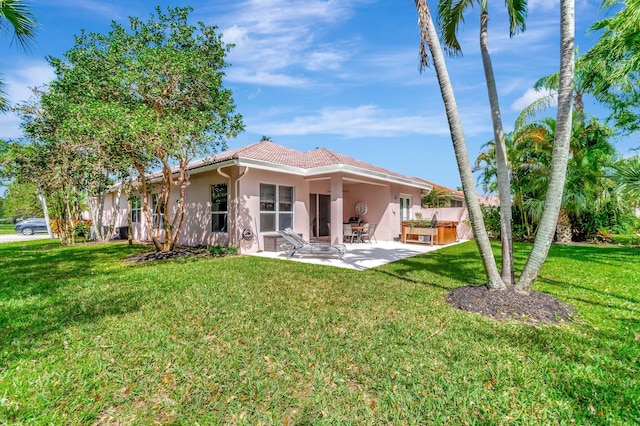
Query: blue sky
{"type": "Point", "coordinates": [339, 74]}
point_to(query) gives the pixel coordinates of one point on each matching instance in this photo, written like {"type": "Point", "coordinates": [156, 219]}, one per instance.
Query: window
{"type": "Point", "coordinates": [405, 207]}
{"type": "Point", "coordinates": [276, 207]}
{"type": "Point", "coordinates": [136, 209]}
{"type": "Point", "coordinates": [157, 210]}
{"type": "Point", "coordinates": [219, 208]}
{"type": "Point", "coordinates": [456, 203]}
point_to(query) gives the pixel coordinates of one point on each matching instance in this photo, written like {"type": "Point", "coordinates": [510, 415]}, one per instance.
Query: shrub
{"type": "Point", "coordinates": [223, 251]}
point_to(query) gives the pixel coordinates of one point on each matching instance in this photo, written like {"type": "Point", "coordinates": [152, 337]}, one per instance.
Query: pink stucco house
{"type": "Point", "coordinates": [265, 187]}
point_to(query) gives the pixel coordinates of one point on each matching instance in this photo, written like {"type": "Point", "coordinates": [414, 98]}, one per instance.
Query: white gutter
{"type": "Point", "coordinates": [299, 171]}
{"type": "Point", "coordinates": [235, 209]}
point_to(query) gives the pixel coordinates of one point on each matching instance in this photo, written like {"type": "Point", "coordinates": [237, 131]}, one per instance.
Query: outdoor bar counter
{"type": "Point", "coordinates": [411, 232]}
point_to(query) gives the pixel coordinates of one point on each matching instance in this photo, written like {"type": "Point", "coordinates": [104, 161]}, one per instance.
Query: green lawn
{"type": "Point", "coordinates": [86, 338]}
{"type": "Point", "coordinates": [7, 228]}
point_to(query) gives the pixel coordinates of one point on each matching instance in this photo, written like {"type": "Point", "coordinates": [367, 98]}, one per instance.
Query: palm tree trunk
{"type": "Point", "coordinates": [502, 168]}
{"type": "Point", "coordinates": [430, 38]}
{"type": "Point", "coordinates": [563, 227]}
{"type": "Point", "coordinates": [546, 229]}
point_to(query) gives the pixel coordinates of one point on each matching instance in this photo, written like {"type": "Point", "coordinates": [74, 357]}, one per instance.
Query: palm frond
{"type": "Point", "coordinates": [4, 102]}
{"type": "Point", "coordinates": [21, 19]}
{"type": "Point", "coordinates": [450, 16]}
{"type": "Point", "coordinates": [534, 109]}
{"type": "Point", "coordinates": [517, 16]}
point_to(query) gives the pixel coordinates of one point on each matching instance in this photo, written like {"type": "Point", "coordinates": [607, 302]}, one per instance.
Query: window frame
{"type": "Point", "coordinates": [277, 202]}
{"type": "Point", "coordinates": [136, 210]}
{"type": "Point", "coordinates": [220, 212]}
{"type": "Point", "coordinates": [155, 212]}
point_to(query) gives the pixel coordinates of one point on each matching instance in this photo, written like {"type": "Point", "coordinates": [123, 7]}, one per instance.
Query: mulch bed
{"type": "Point", "coordinates": [509, 305]}
{"type": "Point", "coordinates": [165, 255]}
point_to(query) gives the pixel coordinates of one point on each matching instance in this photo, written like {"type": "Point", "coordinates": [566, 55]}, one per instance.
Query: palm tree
{"type": "Point", "coordinates": [451, 13]}
{"type": "Point", "coordinates": [586, 189]}
{"type": "Point", "coordinates": [437, 197]}
{"type": "Point", "coordinates": [429, 43]}
{"type": "Point", "coordinates": [16, 17]}
{"type": "Point", "coordinates": [627, 177]}
{"type": "Point", "coordinates": [614, 69]}
{"type": "Point", "coordinates": [550, 84]}
{"type": "Point", "coordinates": [559, 159]}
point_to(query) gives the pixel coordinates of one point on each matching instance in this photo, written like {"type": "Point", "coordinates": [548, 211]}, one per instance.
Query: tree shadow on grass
{"type": "Point", "coordinates": [43, 291]}
{"type": "Point", "coordinates": [595, 254]}
{"type": "Point", "coordinates": [598, 293]}
{"type": "Point", "coordinates": [41, 269]}
{"type": "Point", "coordinates": [461, 266]}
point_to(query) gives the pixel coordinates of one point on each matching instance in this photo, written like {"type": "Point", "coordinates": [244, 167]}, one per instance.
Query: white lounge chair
{"type": "Point", "coordinates": [297, 245]}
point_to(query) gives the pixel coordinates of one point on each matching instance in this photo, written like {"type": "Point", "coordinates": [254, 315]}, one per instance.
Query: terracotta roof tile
{"type": "Point", "coordinates": [435, 185]}
{"type": "Point", "coordinates": [270, 152]}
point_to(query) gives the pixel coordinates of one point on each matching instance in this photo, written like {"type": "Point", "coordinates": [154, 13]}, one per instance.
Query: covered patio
{"type": "Point", "coordinates": [360, 256]}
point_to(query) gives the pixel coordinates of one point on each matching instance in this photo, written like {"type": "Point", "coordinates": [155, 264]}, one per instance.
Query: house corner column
{"type": "Point", "coordinates": [337, 207]}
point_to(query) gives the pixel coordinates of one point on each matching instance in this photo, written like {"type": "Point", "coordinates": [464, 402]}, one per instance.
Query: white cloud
{"type": "Point", "coordinates": [20, 79]}
{"type": "Point", "coordinates": [555, 4]}
{"type": "Point", "coordinates": [265, 78]}
{"type": "Point", "coordinates": [361, 121]}
{"type": "Point", "coordinates": [277, 35]}
{"type": "Point", "coordinates": [324, 60]}
{"type": "Point", "coordinates": [9, 127]}
{"type": "Point", "coordinates": [103, 8]}
{"type": "Point", "coordinates": [543, 4]}
{"type": "Point", "coordinates": [532, 95]}
{"type": "Point", "coordinates": [25, 76]}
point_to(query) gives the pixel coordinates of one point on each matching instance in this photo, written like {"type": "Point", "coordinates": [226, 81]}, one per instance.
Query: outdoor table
{"type": "Point", "coordinates": [357, 229]}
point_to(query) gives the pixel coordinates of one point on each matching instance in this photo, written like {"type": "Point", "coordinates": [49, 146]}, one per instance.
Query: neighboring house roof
{"type": "Point", "coordinates": [486, 200]}
{"type": "Point", "coordinates": [271, 156]}
{"type": "Point", "coordinates": [453, 192]}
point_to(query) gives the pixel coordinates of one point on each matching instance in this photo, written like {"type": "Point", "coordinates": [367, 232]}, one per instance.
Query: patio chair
{"type": "Point", "coordinates": [347, 233]}
{"type": "Point", "coordinates": [297, 245]}
{"type": "Point", "coordinates": [369, 232]}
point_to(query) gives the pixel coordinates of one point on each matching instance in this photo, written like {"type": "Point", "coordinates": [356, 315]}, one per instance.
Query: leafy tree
{"type": "Point", "coordinates": [21, 200]}
{"type": "Point", "coordinates": [430, 45]}
{"type": "Point", "coordinates": [588, 189]}
{"type": "Point", "coordinates": [559, 158]}
{"type": "Point", "coordinates": [437, 197]}
{"type": "Point", "coordinates": [152, 96]}
{"type": "Point", "coordinates": [55, 170]}
{"type": "Point", "coordinates": [609, 70]}
{"type": "Point", "coordinates": [451, 14]}
{"type": "Point", "coordinates": [613, 63]}
{"type": "Point", "coordinates": [428, 40]}
{"type": "Point", "coordinates": [627, 178]}
{"type": "Point", "coordinates": [17, 18]}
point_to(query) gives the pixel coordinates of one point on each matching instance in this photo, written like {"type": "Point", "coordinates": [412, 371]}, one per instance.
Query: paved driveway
{"type": "Point", "coordinates": [12, 238]}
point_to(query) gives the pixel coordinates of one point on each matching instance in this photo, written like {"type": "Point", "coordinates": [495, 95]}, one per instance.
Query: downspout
{"type": "Point", "coordinates": [235, 210]}
{"type": "Point", "coordinates": [223, 174]}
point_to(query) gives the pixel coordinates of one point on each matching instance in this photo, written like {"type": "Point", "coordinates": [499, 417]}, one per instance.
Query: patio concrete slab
{"type": "Point", "coordinates": [359, 256]}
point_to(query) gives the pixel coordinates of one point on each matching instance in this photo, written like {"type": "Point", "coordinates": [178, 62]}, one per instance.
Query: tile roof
{"type": "Point", "coordinates": [435, 185]}
{"type": "Point", "coordinates": [487, 200]}
{"type": "Point", "coordinates": [273, 153]}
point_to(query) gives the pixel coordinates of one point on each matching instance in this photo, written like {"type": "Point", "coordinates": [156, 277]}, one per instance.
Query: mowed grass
{"type": "Point", "coordinates": [7, 228]}
{"type": "Point", "coordinates": [88, 339]}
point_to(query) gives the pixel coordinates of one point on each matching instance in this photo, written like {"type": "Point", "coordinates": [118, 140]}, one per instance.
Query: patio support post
{"type": "Point", "coordinates": [337, 207]}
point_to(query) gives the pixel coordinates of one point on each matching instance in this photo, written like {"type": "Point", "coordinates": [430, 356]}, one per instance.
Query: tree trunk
{"type": "Point", "coordinates": [429, 36]}
{"type": "Point", "coordinates": [129, 229]}
{"type": "Point", "coordinates": [563, 227]}
{"type": "Point", "coordinates": [145, 207]}
{"type": "Point", "coordinates": [114, 212]}
{"type": "Point", "coordinates": [179, 217]}
{"type": "Point", "coordinates": [553, 201]}
{"type": "Point", "coordinates": [96, 210]}
{"type": "Point", "coordinates": [502, 168]}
